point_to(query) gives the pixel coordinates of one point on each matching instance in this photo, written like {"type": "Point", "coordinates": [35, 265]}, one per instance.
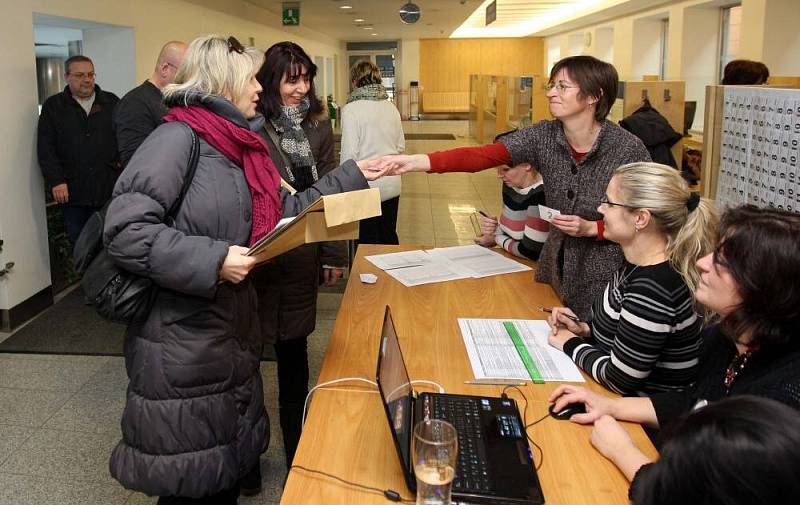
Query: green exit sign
{"type": "Point", "coordinates": [291, 14]}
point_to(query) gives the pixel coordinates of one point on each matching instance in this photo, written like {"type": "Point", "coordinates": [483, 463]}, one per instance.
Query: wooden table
{"type": "Point", "coordinates": [346, 432]}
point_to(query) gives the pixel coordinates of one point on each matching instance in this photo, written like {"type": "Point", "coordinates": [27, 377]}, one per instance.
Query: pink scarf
{"type": "Point", "coordinates": [247, 150]}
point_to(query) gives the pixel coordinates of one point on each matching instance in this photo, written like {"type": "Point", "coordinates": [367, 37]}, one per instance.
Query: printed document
{"type": "Point", "coordinates": [412, 268]}
{"type": "Point", "coordinates": [493, 354]}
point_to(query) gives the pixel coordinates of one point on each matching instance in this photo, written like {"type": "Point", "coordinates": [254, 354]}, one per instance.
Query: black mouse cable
{"type": "Point", "coordinates": [525, 421]}
{"type": "Point", "coordinates": [389, 494]}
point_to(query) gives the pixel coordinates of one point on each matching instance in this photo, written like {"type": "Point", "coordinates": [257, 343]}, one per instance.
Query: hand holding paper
{"type": "Point", "coordinates": [574, 226]}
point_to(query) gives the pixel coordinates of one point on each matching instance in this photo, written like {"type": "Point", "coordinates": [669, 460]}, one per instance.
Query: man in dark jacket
{"type": "Point", "coordinates": [76, 145]}
{"type": "Point", "coordinates": [141, 109]}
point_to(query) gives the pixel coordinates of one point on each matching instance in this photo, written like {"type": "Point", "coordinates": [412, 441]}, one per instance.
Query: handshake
{"type": "Point", "coordinates": [394, 164]}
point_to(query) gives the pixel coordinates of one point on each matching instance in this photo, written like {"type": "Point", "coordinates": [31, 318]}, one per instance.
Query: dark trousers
{"type": "Point", "coordinates": [292, 390]}
{"type": "Point", "coordinates": [227, 497]}
{"type": "Point", "coordinates": [75, 216]}
{"type": "Point", "coordinates": [381, 229]}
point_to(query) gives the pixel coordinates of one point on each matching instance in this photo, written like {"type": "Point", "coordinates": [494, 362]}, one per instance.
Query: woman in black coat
{"type": "Point", "coordinates": [752, 280]}
{"type": "Point", "coordinates": [300, 140]}
{"type": "Point", "coordinates": [194, 423]}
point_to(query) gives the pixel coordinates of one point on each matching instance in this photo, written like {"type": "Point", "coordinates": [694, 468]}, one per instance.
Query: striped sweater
{"type": "Point", "coordinates": [645, 333]}
{"type": "Point", "coordinates": [520, 230]}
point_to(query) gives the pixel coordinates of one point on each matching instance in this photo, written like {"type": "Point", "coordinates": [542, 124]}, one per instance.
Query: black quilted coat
{"type": "Point", "coordinates": [194, 421]}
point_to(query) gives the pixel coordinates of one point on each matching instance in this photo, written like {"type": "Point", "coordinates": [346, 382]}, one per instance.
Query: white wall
{"type": "Point", "coordinates": [646, 51]}
{"type": "Point", "coordinates": [152, 22]}
{"type": "Point", "coordinates": [113, 53]}
{"type": "Point", "coordinates": [701, 28]}
{"type": "Point", "coordinates": [603, 44]}
{"type": "Point", "coordinates": [782, 46]}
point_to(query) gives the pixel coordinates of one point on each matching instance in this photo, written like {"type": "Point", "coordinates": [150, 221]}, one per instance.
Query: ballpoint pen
{"type": "Point", "coordinates": [550, 311]}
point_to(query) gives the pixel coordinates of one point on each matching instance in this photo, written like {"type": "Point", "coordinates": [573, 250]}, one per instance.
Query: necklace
{"type": "Point", "coordinates": [625, 276]}
{"type": "Point", "coordinates": [735, 368]}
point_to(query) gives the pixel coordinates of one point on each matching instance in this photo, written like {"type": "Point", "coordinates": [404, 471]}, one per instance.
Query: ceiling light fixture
{"type": "Point", "coordinates": [358, 20]}
{"type": "Point", "coordinates": [345, 6]}
{"type": "Point", "coordinates": [409, 13]}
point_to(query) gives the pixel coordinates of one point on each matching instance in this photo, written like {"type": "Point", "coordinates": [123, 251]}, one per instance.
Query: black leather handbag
{"type": "Point", "coordinates": [116, 294]}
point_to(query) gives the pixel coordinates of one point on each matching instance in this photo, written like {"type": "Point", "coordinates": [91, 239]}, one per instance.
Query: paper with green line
{"type": "Point", "coordinates": [536, 377]}
{"type": "Point", "coordinates": [515, 349]}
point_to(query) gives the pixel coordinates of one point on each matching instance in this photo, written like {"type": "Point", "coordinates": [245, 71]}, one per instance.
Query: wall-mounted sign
{"type": "Point", "coordinates": [291, 13]}
{"type": "Point", "coordinates": [491, 12]}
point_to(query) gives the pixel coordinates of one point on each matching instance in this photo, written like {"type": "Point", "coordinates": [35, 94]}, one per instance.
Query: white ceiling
{"type": "Point", "coordinates": [456, 18]}
{"type": "Point", "coordinates": [439, 18]}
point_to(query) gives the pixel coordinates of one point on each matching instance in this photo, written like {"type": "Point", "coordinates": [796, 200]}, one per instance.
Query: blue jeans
{"type": "Point", "coordinates": [75, 216]}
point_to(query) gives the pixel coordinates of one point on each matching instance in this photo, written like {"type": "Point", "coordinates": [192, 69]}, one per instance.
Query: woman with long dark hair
{"type": "Point", "coordinates": [300, 140]}
{"type": "Point", "coordinates": [752, 281]}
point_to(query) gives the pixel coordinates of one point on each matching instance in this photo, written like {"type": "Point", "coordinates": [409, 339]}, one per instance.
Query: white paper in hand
{"type": "Point", "coordinates": [547, 213]}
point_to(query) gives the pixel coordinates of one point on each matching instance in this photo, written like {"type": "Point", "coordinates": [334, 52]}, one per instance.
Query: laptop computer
{"type": "Point", "coordinates": [495, 463]}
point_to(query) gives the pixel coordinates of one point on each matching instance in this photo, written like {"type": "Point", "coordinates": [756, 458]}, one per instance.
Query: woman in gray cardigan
{"type": "Point", "coordinates": [576, 154]}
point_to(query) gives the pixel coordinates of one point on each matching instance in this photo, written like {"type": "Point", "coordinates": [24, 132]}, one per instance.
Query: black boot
{"type": "Point", "coordinates": [291, 417]}
{"type": "Point", "coordinates": [250, 484]}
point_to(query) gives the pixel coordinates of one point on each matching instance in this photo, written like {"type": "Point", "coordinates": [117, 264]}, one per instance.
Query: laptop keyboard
{"type": "Point", "coordinates": [472, 474]}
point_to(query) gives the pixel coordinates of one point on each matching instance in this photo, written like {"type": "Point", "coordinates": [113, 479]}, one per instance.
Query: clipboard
{"type": "Point", "coordinates": [331, 217]}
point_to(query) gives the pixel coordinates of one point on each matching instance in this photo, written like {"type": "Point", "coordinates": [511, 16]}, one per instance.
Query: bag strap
{"type": "Point", "coordinates": [194, 157]}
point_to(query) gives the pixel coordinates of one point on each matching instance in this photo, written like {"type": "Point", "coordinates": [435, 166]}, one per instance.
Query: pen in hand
{"type": "Point", "coordinates": [550, 311]}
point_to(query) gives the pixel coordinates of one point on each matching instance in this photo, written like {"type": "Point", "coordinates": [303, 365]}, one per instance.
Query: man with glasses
{"type": "Point", "coordinates": [140, 110]}
{"type": "Point", "coordinates": [76, 146]}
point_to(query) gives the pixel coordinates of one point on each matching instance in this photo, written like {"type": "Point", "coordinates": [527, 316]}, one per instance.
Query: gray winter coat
{"type": "Point", "coordinates": [578, 268]}
{"type": "Point", "coordinates": [194, 421]}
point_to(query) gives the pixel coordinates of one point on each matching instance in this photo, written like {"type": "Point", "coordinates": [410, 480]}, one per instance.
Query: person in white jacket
{"type": "Point", "coordinates": [371, 128]}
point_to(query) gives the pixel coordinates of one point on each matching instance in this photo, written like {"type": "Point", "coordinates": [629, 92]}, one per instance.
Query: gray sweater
{"type": "Point", "coordinates": [578, 268]}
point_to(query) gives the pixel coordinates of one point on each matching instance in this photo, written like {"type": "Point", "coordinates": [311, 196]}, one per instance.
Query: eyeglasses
{"type": "Point", "coordinates": [606, 201]}
{"type": "Point", "coordinates": [560, 87]}
{"type": "Point", "coordinates": [81, 75]}
{"type": "Point", "coordinates": [235, 45]}
{"type": "Point", "coordinates": [171, 65]}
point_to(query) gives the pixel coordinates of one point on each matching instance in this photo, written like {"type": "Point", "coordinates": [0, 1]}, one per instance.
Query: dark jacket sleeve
{"type": "Point", "coordinates": [133, 122]}
{"type": "Point", "coordinates": [331, 253]}
{"type": "Point", "coordinates": [347, 177]}
{"type": "Point", "coordinates": [46, 145]}
{"type": "Point", "coordinates": [135, 233]}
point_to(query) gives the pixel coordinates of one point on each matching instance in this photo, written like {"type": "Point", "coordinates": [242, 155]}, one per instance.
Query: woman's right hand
{"type": "Point", "coordinates": [558, 316]}
{"type": "Point", "coordinates": [371, 169]}
{"type": "Point", "coordinates": [236, 265]}
{"type": "Point", "coordinates": [596, 405]}
{"type": "Point", "coordinates": [402, 163]}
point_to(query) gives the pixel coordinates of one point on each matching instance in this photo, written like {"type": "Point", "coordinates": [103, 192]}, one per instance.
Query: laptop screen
{"type": "Point", "coordinates": [394, 385]}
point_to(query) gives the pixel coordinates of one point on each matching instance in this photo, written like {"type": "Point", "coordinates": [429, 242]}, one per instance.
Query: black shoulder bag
{"type": "Point", "coordinates": [116, 294]}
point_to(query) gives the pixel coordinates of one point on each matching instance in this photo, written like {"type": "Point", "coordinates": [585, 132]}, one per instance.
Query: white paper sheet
{"type": "Point", "coordinates": [479, 261]}
{"type": "Point", "coordinates": [492, 353]}
{"type": "Point", "coordinates": [547, 213]}
{"type": "Point", "coordinates": [413, 268]}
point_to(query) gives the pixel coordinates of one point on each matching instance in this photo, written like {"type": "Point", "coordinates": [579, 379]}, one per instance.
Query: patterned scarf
{"type": "Point", "coordinates": [246, 149]}
{"type": "Point", "coordinates": [303, 170]}
{"type": "Point", "coordinates": [375, 92]}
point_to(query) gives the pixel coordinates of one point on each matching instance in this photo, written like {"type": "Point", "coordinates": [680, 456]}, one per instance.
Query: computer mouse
{"type": "Point", "coordinates": [568, 411]}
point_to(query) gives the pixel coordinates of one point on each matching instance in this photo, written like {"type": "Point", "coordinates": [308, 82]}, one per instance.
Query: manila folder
{"type": "Point", "coordinates": [331, 217]}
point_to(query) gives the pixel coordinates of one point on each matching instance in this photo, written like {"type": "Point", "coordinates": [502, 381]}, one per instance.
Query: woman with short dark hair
{"type": "Point", "coordinates": [576, 154]}
{"type": "Point", "coordinates": [738, 451]}
{"type": "Point", "coordinates": [744, 72]}
{"type": "Point", "coordinates": [752, 281]}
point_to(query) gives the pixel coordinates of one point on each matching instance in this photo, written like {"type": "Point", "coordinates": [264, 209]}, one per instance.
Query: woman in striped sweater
{"type": "Point", "coordinates": [644, 334]}
{"type": "Point", "coordinates": [519, 230]}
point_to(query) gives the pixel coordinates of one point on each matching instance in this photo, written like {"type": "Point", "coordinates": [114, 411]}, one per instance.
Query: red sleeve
{"type": "Point", "coordinates": [469, 159]}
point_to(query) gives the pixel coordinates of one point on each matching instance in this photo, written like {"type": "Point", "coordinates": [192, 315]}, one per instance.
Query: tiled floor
{"type": "Point", "coordinates": [59, 415]}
